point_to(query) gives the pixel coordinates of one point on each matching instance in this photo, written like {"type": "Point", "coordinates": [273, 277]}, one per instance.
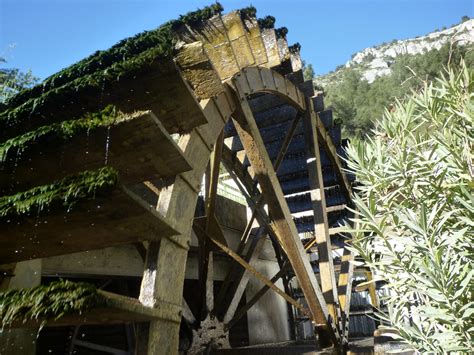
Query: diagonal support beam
{"type": "Point", "coordinates": [282, 220]}
{"type": "Point", "coordinates": [256, 206]}
{"type": "Point", "coordinates": [318, 200]}
{"type": "Point", "coordinates": [244, 309]}
{"type": "Point", "coordinates": [256, 273]}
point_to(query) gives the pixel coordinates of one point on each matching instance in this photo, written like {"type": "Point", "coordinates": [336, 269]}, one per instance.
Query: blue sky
{"type": "Point", "coordinates": [48, 35]}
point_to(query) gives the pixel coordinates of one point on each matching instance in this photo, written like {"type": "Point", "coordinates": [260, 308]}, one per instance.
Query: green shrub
{"type": "Point", "coordinates": [415, 222]}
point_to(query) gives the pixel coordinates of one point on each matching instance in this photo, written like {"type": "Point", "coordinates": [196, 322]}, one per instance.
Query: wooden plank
{"type": "Point", "coordinates": [318, 200]}
{"type": "Point", "coordinates": [326, 143]}
{"type": "Point", "coordinates": [117, 310]}
{"type": "Point", "coordinates": [283, 87]}
{"type": "Point", "coordinates": [344, 287]}
{"type": "Point", "coordinates": [259, 294]}
{"type": "Point", "coordinates": [270, 43]}
{"type": "Point", "coordinates": [282, 220]}
{"type": "Point", "coordinates": [158, 87]}
{"type": "Point", "coordinates": [257, 274]}
{"type": "Point", "coordinates": [236, 34]}
{"type": "Point", "coordinates": [197, 69]}
{"type": "Point", "coordinates": [138, 146]}
{"type": "Point", "coordinates": [120, 217]}
{"type": "Point", "coordinates": [254, 79]}
{"type": "Point", "coordinates": [165, 268]}
{"type": "Point", "coordinates": [255, 40]}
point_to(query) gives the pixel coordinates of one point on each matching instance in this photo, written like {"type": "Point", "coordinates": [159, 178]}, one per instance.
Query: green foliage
{"type": "Point", "coordinates": [63, 130]}
{"type": "Point", "coordinates": [66, 191]}
{"type": "Point", "coordinates": [13, 81]}
{"type": "Point", "coordinates": [359, 104]}
{"type": "Point", "coordinates": [295, 48]}
{"type": "Point", "coordinates": [48, 301]}
{"type": "Point", "coordinates": [415, 206]}
{"type": "Point", "coordinates": [308, 72]}
{"type": "Point", "coordinates": [266, 22]}
{"type": "Point", "coordinates": [248, 12]}
{"type": "Point", "coordinates": [281, 32]}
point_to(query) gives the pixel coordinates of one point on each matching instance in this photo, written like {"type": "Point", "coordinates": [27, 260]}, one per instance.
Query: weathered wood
{"type": "Point", "coordinates": [344, 287]}
{"type": "Point", "coordinates": [282, 221]}
{"type": "Point", "coordinates": [120, 217]}
{"type": "Point", "coordinates": [198, 71]}
{"type": "Point", "coordinates": [321, 228]}
{"type": "Point", "coordinates": [257, 274]}
{"type": "Point", "coordinates": [160, 89]}
{"type": "Point", "coordinates": [117, 310]}
{"type": "Point", "coordinates": [326, 143]}
{"type": "Point", "coordinates": [164, 276]}
{"type": "Point", "coordinates": [237, 36]}
{"type": "Point", "coordinates": [259, 294]}
{"type": "Point", "coordinates": [255, 40]}
{"type": "Point", "coordinates": [279, 86]}
{"type": "Point", "coordinates": [214, 163]}
{"type": "Point", "coordinates": [138, 146]}
{"type": "Point", "coordinates": [256, 245]}
{"type": "Point", "coordinates": [270, 42]}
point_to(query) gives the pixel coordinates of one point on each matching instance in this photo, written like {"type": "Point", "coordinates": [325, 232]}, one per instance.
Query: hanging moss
{"type": "Point", "coordinates": [248, 12]}
{"type": "Point", "coordinates": [92, 84]}
{"type": "Point", "coordinates": [295, 48]}
{"type": "Point", "coordinates": [266, 22]}
{"type": "Point", "coordinates": [48, 301]}
{"type": "Point", "coordinates": [281, 32]}
{"type": "Point", "coordinates": [161, 41]}
{"type": "Point", "coordinates": [66, 191]}
{"type": "Point", "coordinates": [63, 130]}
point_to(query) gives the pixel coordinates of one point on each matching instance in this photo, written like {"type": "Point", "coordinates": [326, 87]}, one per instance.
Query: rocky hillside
{"type": "Point", "coordinates": [376, 61]}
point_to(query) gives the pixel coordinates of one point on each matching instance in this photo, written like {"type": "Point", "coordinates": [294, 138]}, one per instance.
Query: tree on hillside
{"type": "Point", "coordinates": [358, 104]}
{"type": "Point", "coordinates": [12, 81]}
{"type": "Point", "coordinates": [415, 213]}
{"type": "Point", "coordinates": [308, 72]}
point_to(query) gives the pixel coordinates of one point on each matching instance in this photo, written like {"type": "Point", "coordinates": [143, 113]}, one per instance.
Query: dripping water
{"type": "Point", "coordinates": [107, 145]}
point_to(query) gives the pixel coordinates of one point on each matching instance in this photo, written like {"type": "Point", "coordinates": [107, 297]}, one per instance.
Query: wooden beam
{"type": "Point", "coordinates": [344, 286]}
{"type": "Point", "coordinates": [117, 309]}
{"type": "Point", "coordinates": [120, 217]}
{"type": "Point", "coordinates": [258, 275]}
{"type": "Point", "coordinates": [214, 163]}
{"type": "Point", "coordinates": [138, 146]}
{"type": "Point", "coordinates": [282, 221]}
{"type": "Point", "coordinates": [164, 275]}
{"type": "Point", "coordinates": [259, 294]}
{"type": "Point", "coordinates": [318, 201]}
{"type": "Point", "coordinates": [326, 143]}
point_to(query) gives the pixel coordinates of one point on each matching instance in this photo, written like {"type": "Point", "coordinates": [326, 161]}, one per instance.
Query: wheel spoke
{"type": "Point", "coordinates": [282, 220]}
{"type": "Point", "coordinates": [318, 200]}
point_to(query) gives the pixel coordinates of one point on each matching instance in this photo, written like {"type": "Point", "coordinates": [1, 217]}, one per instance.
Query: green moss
{"type": "Point", "coordinates": [63, 130]}
{"type": "Point", "coordinates": [266, 22]}
{"type": "Point", "coordinates": [295, 48]}
{"type": "Point", "coordinates": [66, 191]}
{"type": "Point", "coordinates": [124, 56]}
{"type": "Point", "coordinates": [248, 12]}
{"type": "Point", "coordinates": [48, 301]}
{"type": "Point", "coordinates": [281, 32]}
{"type": "Point", "coordinates": [195, 18]}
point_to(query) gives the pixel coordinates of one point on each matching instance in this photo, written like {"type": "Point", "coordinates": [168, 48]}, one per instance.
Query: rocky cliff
{"type": "Point", "coordinates": [376, 61]}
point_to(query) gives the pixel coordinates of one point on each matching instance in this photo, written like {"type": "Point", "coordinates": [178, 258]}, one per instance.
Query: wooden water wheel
{"type": "Point", "coordinates": [232, 93]}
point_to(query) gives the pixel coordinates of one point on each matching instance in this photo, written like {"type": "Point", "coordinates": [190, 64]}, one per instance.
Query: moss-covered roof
{"type": "Point", "coordinates": [92, 73]}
